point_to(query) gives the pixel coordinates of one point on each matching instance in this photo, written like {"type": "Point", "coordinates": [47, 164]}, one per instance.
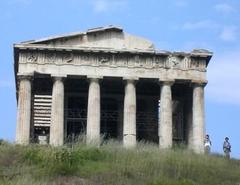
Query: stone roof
{"type": "Point", "coordinates": [101, 37]}
{"type": "Point", "coordinates": [109, 39]}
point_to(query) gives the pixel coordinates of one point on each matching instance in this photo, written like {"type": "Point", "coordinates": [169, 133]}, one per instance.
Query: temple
{"type": "Point", "coordinates": [108, 84]}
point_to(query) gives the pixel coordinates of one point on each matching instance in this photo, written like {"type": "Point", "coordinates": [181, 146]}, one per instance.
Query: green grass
{"type": "Point", "coordinates": [111, 164]}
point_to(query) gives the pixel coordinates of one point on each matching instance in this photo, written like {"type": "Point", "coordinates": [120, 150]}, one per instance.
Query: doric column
{"type": "Point", "coordinates": [93, 114]}
{"type": "Point", "coordinates": [198, 123]}
{"type": "Point", "coordinates": [57, 113]}
{"type": "Point", "coordinates": [24, 110]}
{"type": "Point", "coordinates": [165, 121]}
{"type": "Point", "coordinates": [129, 117]}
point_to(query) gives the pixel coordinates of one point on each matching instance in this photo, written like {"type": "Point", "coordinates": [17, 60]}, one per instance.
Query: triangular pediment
{"type": "Point", "coordinates": [102, 37]}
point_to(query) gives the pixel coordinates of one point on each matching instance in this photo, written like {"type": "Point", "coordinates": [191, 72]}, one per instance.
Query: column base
{"type": "Point", "coordinates": [129, 140]}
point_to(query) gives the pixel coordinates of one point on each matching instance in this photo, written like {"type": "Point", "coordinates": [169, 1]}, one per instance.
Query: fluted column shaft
{"type": "Point", "coordinates": [93, 114]}
{"type": "Point", "coordinates": [129, 122]}
{"type": "Point", "coordinates": [24, 110]}
{"type": "Point", "coordinates": [198, 127]}
{"type": "Point", "coordinates": [165, 124]}
{"type": "Point", "coordinates": [57, 113]}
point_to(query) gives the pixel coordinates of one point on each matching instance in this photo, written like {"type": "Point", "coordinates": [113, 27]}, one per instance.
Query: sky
{"type": "Point", "coordinates": [175, 25]}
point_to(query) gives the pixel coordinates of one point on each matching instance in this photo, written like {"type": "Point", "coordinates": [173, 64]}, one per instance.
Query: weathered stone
{"type": "Point", "coordinates": [129, 123]}
{"type": "Point", "coordinates": [24, 110]}
{"type": "Point", "coordinates": [165, 121]}
{"type": "Point", "coordinates": [198, 127]}
{"type": "Point", "coordinates": [93, 115]}
{"type": "Point", "coordinates": [57, 113]}
{"type": "Point", "coordinates": [121, 59]}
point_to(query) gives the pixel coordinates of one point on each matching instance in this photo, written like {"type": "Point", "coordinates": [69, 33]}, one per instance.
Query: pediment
{"type": "Point", "coordinates": [102, 37]}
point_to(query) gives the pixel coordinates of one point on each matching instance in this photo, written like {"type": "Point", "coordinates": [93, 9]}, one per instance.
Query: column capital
{"type": "Point", "coordinates": [201, 83]}
{"type": "Point", "coordinates": [93, 78]}
{"type": "Point", "coordinates": [56, 77]}
{"type": "Point", "coordinates": [169, 82]}
{"type": "Point", "coordinates": [130, 79]}
{"type": "Point", "coordinates": [25, 76]}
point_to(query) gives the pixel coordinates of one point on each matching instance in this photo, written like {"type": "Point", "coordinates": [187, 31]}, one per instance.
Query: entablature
{"type": "Point", "coordinates": [112, 59]}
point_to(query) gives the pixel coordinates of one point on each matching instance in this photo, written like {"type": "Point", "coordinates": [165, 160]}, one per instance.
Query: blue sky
{"type": "Point", "coordinates": [171, 25]}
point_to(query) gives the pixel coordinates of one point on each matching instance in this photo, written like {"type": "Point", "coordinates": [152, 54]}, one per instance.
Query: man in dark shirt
{"type": "Point", "coordinates": [227, 148]}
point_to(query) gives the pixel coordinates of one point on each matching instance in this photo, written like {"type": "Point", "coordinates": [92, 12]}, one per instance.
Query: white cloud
{"type": "Point", "coordinates": [199, 25]}
{"type": "Point", "coordinates": [100, 6]}
{"type": "Point", "coordinates": [224, 78]}
{"type": "Point", "coordinates": [180, 3]}
{"type": "Point", "coordinates": [228, 33]}
{"type": "Point", "coordinates": [224, 8]}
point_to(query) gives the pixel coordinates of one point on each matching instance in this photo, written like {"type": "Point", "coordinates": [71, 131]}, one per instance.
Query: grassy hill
{"type": "Point", "coordinates": [112, 165]}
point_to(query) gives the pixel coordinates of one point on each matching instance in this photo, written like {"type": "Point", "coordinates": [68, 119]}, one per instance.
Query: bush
{"type": "Point", "coordinates": [113, 164]}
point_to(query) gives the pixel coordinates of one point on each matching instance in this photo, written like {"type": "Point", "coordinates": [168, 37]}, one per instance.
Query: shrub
{"type": "Point", "coordinates": [112, 164]}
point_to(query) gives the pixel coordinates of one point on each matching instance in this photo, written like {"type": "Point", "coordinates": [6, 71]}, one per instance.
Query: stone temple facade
{"type": "Point", "coordinates": [105, 82]}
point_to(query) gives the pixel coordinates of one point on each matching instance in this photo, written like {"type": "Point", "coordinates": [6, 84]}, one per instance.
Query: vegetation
{"type": "Point", "coordinates": [111, 164]}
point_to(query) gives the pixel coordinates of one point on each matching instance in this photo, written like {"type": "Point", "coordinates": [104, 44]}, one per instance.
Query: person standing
{"type": "Point", "coordinates": [207, 144]}
{"type": "Point", "coordinates": [227, 148]}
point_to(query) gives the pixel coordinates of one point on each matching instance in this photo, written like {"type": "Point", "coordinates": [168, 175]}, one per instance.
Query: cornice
{"type": "Point", "coordinates": [68, 48]}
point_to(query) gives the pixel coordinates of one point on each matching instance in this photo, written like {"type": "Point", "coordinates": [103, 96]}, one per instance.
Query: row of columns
{"type": "Point", "coordinates": [93, 115]}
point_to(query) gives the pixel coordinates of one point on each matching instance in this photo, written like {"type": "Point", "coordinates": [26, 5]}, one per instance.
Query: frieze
{"type": "Point", "coordinates": [32, 58]}
{"type": "Point", "coordinates": [104, 60]}
{"type": "Point", "coordinates": [159, 62]}
{"type": "Point", "coordinates": [114, 60]}
{"type": "Point", "coordinates": [67, 57]}
{"type": "Point", "coordinates": [51, 58]}
{"type": "Point", "coordinates": [199, 64]}
{"type": "Point", "coordinates": [174, 62]}
{"type": "Point", "coordinates": [186, 62]}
